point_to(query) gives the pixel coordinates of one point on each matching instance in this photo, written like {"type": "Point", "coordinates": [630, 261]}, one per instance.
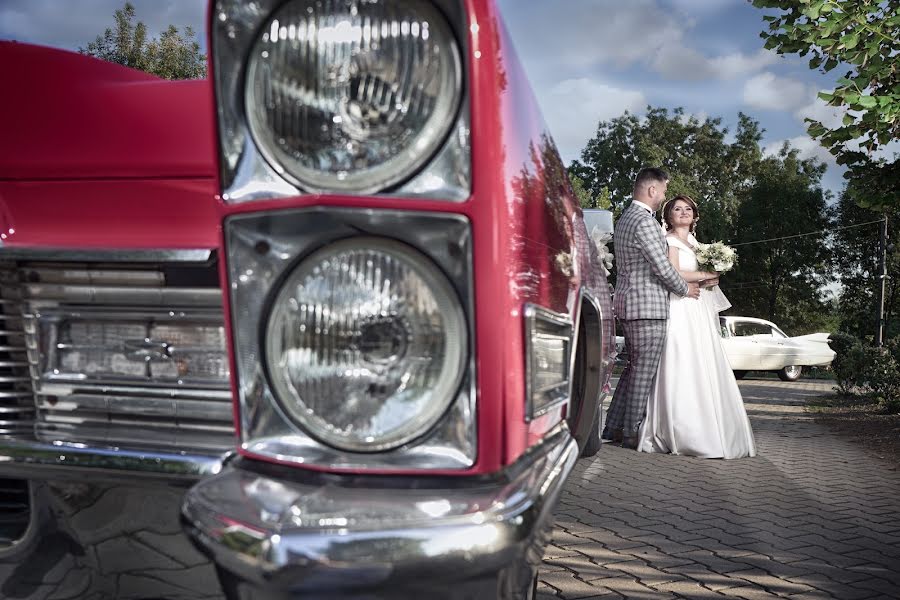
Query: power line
{"type": "Point", "coordinates": [820, 232]}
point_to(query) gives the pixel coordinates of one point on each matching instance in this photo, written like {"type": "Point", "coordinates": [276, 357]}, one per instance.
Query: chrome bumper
{"type": "Point", "coordinates": [272, 536]}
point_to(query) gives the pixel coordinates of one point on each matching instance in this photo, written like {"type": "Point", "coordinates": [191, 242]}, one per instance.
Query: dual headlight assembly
{"type": "Point", "coordinates": [363, 339]}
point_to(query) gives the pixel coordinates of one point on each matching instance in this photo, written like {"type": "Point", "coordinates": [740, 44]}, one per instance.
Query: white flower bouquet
{"type": "Point", "coordinates": [716, 257]}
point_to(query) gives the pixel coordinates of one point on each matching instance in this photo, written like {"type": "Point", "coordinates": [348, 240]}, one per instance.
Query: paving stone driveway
{"type": "Point", "coordinates": [812, 516]}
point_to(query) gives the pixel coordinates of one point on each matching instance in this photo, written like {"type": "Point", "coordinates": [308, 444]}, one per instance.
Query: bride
{"type": "Point", "coordinates": [695, 407]}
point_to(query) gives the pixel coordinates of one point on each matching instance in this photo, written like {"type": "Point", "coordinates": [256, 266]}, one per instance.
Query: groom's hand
{"type": "Point", "coordinates": [693, 291]}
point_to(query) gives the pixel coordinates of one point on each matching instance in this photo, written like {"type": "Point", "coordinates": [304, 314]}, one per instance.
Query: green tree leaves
{"type": "Point", "coordinates": [856, 243]}
{"type": "Point", "coordinates": [174, 55]}
{"type": "Point", "coordinates": [702, 164]}
{"type": "Point", "coordinates": [782, 279]}
{"type": "Point", "coordinates": [864, 37]}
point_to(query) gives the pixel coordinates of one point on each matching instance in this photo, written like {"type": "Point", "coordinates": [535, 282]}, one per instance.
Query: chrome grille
{"type": "Point", "coordinates": [139, 392]}
{"type": "Point", "coordinates": [15, 510]}
{"type": "Point", "coordinates": [16, 396]}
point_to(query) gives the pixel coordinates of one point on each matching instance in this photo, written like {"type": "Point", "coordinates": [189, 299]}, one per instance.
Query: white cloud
{"type": "Point", "coordinates": [807, 147]}
{"type": "Point", "coordinates": [769, 92]}
{"type": "Point", "coordinates": [621, 35]}
{"type": "Point", "coordinates": [890, 151]}
{"type": "Point", "coordinates": [704, 8]}
{"type": "Point", "coordinates": [737, 64]}
{"type": "Point", "coordinates": [574, 107]}
{"type": "Point", "coordinates": [830, 116]}
{"type": "Point", "coordinates": [678, 62]}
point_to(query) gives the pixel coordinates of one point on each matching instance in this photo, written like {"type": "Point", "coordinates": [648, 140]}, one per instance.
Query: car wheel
{"type": "Point", "coordinates": [534, 585]}
{"type": "Point", "coordinates": [740, 374]}
{"type": "Point", "coordinates": [593, 443]}
{"type": "Point", "coordinates": [791, 373]}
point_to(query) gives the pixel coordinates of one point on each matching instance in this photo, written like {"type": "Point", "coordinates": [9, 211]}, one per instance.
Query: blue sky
{"type": "Point", "coordinates": [588, 60]}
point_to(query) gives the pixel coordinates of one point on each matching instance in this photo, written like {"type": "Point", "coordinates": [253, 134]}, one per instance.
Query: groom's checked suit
{"type": "Point", "coordinates": [643, 282]}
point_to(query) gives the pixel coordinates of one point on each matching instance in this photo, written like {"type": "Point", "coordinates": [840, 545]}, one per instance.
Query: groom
{"type": "Point", "coordinates": [643, 282]}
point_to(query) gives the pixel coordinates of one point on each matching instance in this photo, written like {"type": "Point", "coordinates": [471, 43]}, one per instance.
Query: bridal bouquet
{"type": "Point", "coordinates": [719, 258]}
{"type": "Point", "coordinates": [716, 257]}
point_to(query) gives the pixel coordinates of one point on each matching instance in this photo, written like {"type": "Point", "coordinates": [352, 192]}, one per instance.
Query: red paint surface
{"type": "Point", "coordinates": [521, 206]}
{"type": "Point", "coordinates": [68, 116]}
{"type": "Point", "coordinates": [95, 155]}
{"type": "Point", "coordinates": [154, 213]}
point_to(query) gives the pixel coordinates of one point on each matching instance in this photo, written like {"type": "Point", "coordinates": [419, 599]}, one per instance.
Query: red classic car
{"type": "Point", "coordinates": [327, 325]}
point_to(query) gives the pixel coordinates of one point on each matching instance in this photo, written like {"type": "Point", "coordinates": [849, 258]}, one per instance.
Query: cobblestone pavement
{"type": "Point", "coordinates": [812, 516]}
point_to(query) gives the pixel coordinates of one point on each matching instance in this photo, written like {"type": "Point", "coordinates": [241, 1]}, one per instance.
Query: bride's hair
{"type": "Point", "coordinates": [670, 206]}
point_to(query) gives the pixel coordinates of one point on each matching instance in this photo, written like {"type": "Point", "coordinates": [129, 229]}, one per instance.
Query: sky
{"type": "Point", "coordinates": [588, 60]}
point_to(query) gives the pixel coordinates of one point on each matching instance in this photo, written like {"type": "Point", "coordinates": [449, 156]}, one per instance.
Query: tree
{"type": "Point", "coordinates": [862, 36]}
{"type": "Point", "coordinates": [588, 200]}
{"type": "Point", "coordinates": [856, 266]}
{"type": "Point", "coordinates": [782, 279]}
{"type": "Point", "coordinates": [172, 56]}
{"type": "Point", "coordinates": [701, 163]}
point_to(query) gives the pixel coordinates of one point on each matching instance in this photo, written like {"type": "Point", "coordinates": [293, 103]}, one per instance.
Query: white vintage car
{"type": "Point", "coordinates": [758, 345]}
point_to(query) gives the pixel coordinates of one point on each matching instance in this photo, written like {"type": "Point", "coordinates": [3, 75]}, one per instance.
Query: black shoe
{"type": "Point", "coordinates": [614, 436]}
{"type": "Point", "coordinates": [630, 442]}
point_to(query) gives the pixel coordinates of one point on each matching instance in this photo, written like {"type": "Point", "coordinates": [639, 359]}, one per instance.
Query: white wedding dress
{"type": "Point", "coordinates": [695, 407]}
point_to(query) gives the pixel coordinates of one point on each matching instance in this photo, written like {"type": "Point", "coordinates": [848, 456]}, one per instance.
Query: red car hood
{"type": "Point", "coordinates": [68, 116]}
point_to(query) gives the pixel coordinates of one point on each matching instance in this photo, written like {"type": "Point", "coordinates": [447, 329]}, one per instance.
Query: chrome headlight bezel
{"type": "Point", "coordinates": [298, 408]}
{"type": "Point", "coordinates": [262, 248]}
{"type": "Point", "coordinates": [248, 172]}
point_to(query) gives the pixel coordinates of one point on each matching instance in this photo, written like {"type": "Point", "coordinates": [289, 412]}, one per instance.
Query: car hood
{"type": "Point", "coordinates": [69, 116]}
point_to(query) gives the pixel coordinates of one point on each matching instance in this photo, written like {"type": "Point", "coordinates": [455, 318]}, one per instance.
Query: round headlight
{"type": "Point", "coordinates": [352, 95]}
{"type": "Point", "coordinates": [365, 344]}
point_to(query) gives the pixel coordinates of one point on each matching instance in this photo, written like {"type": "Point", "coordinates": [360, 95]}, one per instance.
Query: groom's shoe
{"type": "Point", "coordinates": [630, 442]}
{"type": "Point", "coordinates": [614, 436]}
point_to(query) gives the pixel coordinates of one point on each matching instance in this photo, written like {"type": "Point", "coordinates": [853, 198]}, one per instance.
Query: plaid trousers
{"type": "Point", "coordinates": [644, 340]}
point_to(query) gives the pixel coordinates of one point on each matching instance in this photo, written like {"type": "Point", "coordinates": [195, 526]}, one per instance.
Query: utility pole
{"type": "Point", "coordinates": [882, 276]}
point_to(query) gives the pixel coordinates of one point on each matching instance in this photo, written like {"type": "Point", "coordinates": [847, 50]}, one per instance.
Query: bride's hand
{"type": "Point", "coordinates": [711, 282]}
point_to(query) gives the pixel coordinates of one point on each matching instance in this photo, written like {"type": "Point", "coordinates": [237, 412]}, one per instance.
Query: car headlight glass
{"type": "Point", "coordinates": [352, 95]}
{"type": "Point", "coordinates": [365, 344]}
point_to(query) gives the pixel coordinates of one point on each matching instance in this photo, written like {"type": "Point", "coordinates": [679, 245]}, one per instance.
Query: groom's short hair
{"type": "Point", "coordinates": [649, 176]}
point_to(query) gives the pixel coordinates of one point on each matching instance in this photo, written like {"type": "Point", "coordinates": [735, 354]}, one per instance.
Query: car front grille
{"type": "Point", "coordinates": [17, 410]}
{"type": "Point", "coordinates": [15, 510]}
{"type": "Point", "coordinates": [134, 395]}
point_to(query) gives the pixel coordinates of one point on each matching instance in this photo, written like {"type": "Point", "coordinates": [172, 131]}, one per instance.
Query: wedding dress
{"type": "Point", "coordinates": [695, 407]}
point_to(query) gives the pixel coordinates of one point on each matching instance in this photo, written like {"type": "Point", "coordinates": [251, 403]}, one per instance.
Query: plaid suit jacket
{"type": "Point", "coordinates": [644, 274]}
